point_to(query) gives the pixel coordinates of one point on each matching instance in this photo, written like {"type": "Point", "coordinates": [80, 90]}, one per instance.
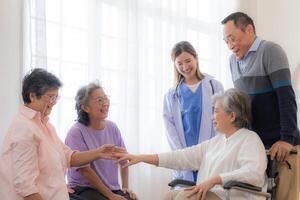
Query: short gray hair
{"type": "Point", "coordinates": [38, 81]}
{"type": "Point", "coordinates": [82, 98]}
{"type": "Point", "coordinates": [238, 102]}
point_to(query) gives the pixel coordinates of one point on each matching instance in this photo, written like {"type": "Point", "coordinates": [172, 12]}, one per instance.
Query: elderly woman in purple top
{"type": "Point", "coordinates": [99, 179]}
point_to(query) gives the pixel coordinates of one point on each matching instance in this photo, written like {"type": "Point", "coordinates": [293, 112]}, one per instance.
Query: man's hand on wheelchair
{"type": "Point", "coordinates": [201, 189]}
{"type": "Point", "coordinates": [280, 151]}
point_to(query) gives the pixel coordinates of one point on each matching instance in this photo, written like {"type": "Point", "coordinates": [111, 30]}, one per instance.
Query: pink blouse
{"type": "Point", "coordinates": [33, 159]}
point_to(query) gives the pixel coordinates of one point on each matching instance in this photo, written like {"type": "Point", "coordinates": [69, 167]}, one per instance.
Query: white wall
{"type": "Point", "coordinates": [10, 11]}
{"type": "Point", "coordinates": [279, 21]}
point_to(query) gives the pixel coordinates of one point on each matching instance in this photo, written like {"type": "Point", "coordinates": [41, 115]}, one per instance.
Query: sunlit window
{"type": "Point", "coordinates": [124, 44]}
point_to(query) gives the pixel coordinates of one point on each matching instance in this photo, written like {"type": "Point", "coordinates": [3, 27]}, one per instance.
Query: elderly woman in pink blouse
{"type": "Point", "coordinates": [33, 159]}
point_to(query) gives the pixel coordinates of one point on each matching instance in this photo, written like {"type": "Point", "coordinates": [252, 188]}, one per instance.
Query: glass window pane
{"type": "Point", "coordinates": [73, 76]}
{"type": "Point", "coordinates": [113, 83]}
{"type": "Point", "coordinates": [205, 46]}
{"type": "Point", "coordinates": [109, 20]}
{"type": "Point", "coordinates": [75, 13]}
{"type": "Point", "coordinates": [206, 66]}
{"type": "Point", "coordinates": [205, 10]}
{"type": "Point", "coordinates": [151, 61]}
{"type": "Point", "coordinates": [150, 31]}
{"type": "Point", "coordinates": [53, 66]}
{"type": "Point", "coordinates": [191, 6]}
{"type": "Point", "coordinates": [53, 10]}
{"type": "Point", "coordinates": [150, 94]}
{"type": "Point", "coordinates": [109, 53]}
{"type": "Point", "coordinates": [192, 37]}
{"type": "Point", "coordinates": [53, 40]}
{"type": "Point", "coordinates": [75, 45]}
{"type": "Point", "coordinates": [67, 116]}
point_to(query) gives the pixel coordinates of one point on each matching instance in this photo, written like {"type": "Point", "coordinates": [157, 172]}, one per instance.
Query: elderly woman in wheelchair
{"type": "Point", "coordinates": [234, 154]}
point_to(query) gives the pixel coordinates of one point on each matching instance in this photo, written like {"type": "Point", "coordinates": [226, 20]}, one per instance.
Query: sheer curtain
{"type": "Point", "coordinates": [126, 45]}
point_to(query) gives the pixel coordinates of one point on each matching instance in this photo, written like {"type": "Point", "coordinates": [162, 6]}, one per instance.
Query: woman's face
{"type": "Point", "coordinates": [98, 105]}
{"type": "Point", "coordinates": [223, 121]}
{"type": "Point", "coordinates": [45, 103]}
{"type": "Point", "coordinates": [186, 65]}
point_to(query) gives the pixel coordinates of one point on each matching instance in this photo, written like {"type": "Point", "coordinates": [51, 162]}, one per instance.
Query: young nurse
{"type": "Point", "coordinates": [188, 110]}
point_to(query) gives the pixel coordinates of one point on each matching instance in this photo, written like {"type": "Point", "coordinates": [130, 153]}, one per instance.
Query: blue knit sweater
{"type": "Point", "coordinates": [267, 80]}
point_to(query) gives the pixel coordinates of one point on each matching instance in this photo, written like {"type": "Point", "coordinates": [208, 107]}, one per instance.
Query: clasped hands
{"type": "Point", "coordinates": [109, 151]}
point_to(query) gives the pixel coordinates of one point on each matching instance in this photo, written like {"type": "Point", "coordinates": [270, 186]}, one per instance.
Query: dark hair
{"type": "Point", "coordinates": [38, 81]}
{"type": "Point", "coordinates": [237, 101]}
{"type": "Point", "coordinates": [179, 48]}
{"type": "Point", "coordinates": [241, 20]}
{"type": "Point", "coordinates": [82, 98]}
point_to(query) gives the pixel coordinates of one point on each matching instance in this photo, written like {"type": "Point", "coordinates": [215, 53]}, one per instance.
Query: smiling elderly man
{"type": "Point", "coordinates": [260, 68]}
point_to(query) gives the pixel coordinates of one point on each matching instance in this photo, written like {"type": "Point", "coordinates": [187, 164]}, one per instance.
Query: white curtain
{"type": "Point", "coordinates": [126, 45]}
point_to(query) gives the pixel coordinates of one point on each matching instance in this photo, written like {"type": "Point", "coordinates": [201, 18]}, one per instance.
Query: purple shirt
{"type": "Point", "coordinates": [83, 138]}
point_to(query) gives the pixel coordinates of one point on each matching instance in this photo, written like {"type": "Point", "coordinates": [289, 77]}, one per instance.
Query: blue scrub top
{"type": "Point", "coordinates": [191, 110]}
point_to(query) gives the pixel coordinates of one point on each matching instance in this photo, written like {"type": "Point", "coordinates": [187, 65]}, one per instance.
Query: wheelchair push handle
{"type": "Point", "coordinates": [292, 152]}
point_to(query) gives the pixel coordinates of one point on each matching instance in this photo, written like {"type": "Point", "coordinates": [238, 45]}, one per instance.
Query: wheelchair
{"type": "Point", "coordinates": [272, 181]}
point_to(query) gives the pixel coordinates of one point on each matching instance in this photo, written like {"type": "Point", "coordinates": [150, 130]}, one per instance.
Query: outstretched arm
{"type": "Point", "coordinates": [104, 152]}
{"type": "Point", "coordinates": [134, 159]}
{"type": "Point", "coordinates": [184, 159]}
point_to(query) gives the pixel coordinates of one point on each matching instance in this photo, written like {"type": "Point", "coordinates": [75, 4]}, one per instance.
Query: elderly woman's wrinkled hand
{"type": "Point", "coordinates": [201, 189]}
{"type": "Point", "coordinates": [126, 159]}
{"type": "Point", "coordinates": [108, 151]}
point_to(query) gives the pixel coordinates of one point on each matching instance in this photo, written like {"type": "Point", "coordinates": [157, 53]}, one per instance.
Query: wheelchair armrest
{"type": "Point", "coordinates": [181, 182]}
{"type": "Point", "coordinates": [231, 184]}
{"type": "Point", "coordinates": [293, 151]}
{"type": "Point", "coordinates": [244, 187]}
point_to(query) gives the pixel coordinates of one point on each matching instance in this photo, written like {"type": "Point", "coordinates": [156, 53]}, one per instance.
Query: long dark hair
{"type": "Point", "coordinates": [178, 49]}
